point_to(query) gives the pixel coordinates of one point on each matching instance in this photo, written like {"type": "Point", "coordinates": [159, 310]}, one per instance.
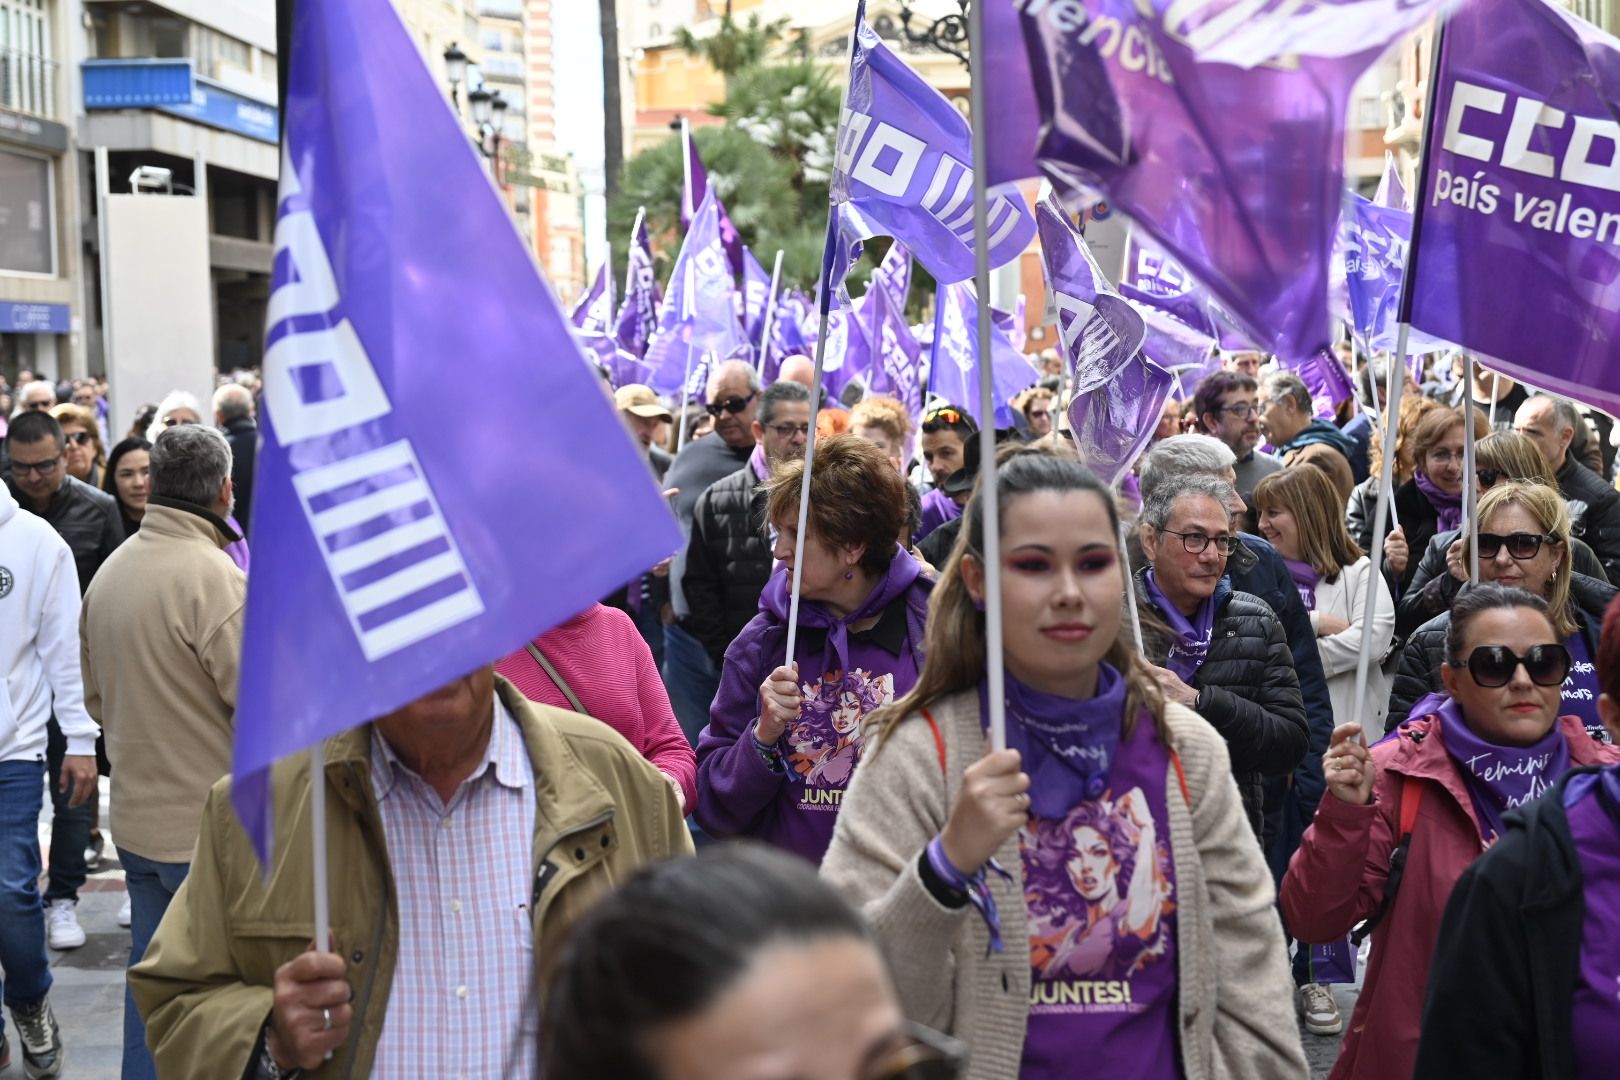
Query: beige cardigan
{"type": "Point", "coordinates": [1236, 995]}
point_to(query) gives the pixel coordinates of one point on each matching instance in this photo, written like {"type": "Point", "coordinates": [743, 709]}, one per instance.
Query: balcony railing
{"type": "Point", "coordinates": [27, 82]}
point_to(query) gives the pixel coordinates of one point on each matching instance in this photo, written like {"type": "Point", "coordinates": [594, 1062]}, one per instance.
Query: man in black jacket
{"type": "Point", "coordinates": [728, 556]}
{"type": "Point", "coordinates": [1551, 422]}
{"type": "Point", "coordinates": [233, 414]}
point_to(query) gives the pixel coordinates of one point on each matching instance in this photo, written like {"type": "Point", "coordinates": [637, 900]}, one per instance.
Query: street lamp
{"type": "Point", "coordinates": [479, 99]}
{"type": "Point", "coordinates": [455, 68]}
{"type": "Point", "coordinates": [948, 34]}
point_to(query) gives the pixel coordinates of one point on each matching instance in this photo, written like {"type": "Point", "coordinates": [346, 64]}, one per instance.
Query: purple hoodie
{"type": "Point", "coordinates": [937, 509]}
{"type": "Point", "coordinates": [795, 806]}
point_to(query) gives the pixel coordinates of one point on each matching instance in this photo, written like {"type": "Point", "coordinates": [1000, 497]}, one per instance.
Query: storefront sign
{"type": "Point", "coordinates": [21, 318]}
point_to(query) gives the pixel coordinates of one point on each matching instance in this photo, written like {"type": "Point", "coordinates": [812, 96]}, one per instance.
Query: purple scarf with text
{"type": "Point", "coordinates": [1500, 778]}
{"type": "Point", "coordinates": [1067, 745]}
{"type": "Point", "coordinates": [1191, 646]}
{"type": "Point", "coordinates": [1306, 579]}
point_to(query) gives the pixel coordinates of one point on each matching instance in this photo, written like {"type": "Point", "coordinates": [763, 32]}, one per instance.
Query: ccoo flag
{"type": "Point", "coordinates": [593, 318]}
{"type": "Point", "coordinates": [638, 318]}
{"type": "Point", "coordinates": [1516, 245]}
{"type": "Point", "coordinates": [1118, 392]}
{"type": "Point", "coordinates": [894, 366]}
{"type": "Point", "coordinates": [391, 558]}
{"type": "Point", "coordinates": [699, 316]}
{"type": "Point", "coordinates": [903, 159]}
{"type": "Point", "coordinates": [695, 186]}
{"type": "Point", "coordinates": [953, 366]}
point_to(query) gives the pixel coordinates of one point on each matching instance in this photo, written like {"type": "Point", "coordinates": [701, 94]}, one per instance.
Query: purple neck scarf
{"type": "Point", "coordinates": [1448, 508]}
{"type": "Point", "coordinates": [1500, 778]}
{"type": "Point", "coordinates": [1067, 745]}
{"type": "Point", "coordinates": [1187, 653]}
{"type": "Point", "coordinates": [760, 463]}
{"type": "Point", "coordinates": [1306, 579]}
{"type": "Point", "coordinates": [902, 574]}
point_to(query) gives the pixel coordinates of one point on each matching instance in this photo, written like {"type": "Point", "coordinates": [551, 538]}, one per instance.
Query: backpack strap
{"type": "Point", "coordinates": [556, 677]}
{"type": "Point", "coordinates": [939, 740]}
{"type": "Point", "coordinates": [1410, 799]}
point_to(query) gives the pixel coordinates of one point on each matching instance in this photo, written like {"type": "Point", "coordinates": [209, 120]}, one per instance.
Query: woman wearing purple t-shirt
{"type": "Point", "coordinates": [783, 741]}
{"type": "Point", "coordinates": [1089, 893]}
{"type": "Point", "coordinates": [1527, 968]}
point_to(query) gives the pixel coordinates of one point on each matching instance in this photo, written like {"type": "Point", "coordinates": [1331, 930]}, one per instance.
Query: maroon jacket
{"type": "Point", "coordinates": [1336, 879]}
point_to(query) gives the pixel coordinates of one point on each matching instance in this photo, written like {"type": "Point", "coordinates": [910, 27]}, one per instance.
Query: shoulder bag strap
{"type": "Point", "coordinates": [556, 677]}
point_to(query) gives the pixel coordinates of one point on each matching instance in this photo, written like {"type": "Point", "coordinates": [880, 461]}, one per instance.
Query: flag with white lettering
{"type": "Point", "coordinates": [1118, 393]}
{"type": "Point", "coordinates": [593, 318]}
{"type": "Point", "coordinates": [904, 161]}
{"type": "Point", "coordinates": [953, 366]}
{"type": "Point", "coordinates": [695, 185]}
{"type": "Point", "coordinates": [756, 292]}
{"type": "Point", "coordinates": [699, 314]}
{"type": "Point", "coordinates": [391, 556]}
{"type": "Point", "coordinates": [638, 318]}
{"type": "Point", "coordinates": [1517, 238]}
{"type": "Point", "coordinates": [894, 367]}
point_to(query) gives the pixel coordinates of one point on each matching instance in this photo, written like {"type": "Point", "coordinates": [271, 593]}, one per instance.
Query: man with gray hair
{"type": "Point", "coordinates": [160, 641]}
{"type": "Point", "coordinates": [1289, 423]}
{"type": "Point", "coordinates": [1551, 423]}
{"type": "Point", "coordinates": [233, 414]}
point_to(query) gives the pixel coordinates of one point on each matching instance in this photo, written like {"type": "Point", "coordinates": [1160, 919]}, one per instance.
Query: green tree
{"type": "Point", "coordinates": [734, 46]}
{"type": "Point", "coordinates": [793, 110]}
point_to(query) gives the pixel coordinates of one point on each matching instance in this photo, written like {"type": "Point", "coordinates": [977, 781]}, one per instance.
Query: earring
{"type": "Point", "coordinates": [849, 575]}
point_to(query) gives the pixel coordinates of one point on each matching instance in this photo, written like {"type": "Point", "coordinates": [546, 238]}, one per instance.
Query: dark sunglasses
{"type": "Point", "coordinates": [80, 438]}
{"type": "Point", "coordinates": [732, 405]}
{"type": "Point", "coordinates": [927, 1055]}
{"type": "Point", "coordinates": [1492, 666]}
{"type": "Point", "coordinates": [1520, 545]}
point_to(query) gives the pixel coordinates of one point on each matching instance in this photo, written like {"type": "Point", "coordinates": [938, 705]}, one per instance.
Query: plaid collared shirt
{"type": "Point", "coordinates": [461, 1007]}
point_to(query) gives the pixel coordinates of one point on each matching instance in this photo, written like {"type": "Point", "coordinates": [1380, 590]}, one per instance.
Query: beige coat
{"type": "Point", "coordinates": [160, 643]}
{"type": "Point", "coordinates": [1236, 995]}
{"type": "Point", "coordinates": [204, 988]}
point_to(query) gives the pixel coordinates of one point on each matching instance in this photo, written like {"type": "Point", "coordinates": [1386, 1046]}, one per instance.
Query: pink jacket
{"type": "Point", "coordinates": [1336, 879]}
{"type": "Point", "coordinates": [600, 655]}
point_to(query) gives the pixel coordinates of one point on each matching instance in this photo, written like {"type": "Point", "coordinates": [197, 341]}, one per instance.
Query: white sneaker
{"type": "Point", "coordinates": [62, 925]}
{"type": "Point", "coordinates": [1315, 1003]}
{"type": "Point", "coordinates": [123, 913]}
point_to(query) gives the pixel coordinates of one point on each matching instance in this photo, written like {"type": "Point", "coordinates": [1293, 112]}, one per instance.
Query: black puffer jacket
{"type": "Point", "coordinates": [1247, 690]}
{"type": "Point", "coordinates": [728, 561]}
{"type": "Point", "coordinates": [1598, 505]}
{"type": "Point", "coordinates": [86, 518]}
{"type": "Point", "coordinates": [1419, 673]}
{"type": "Point", "coordinates": [1433, 588]}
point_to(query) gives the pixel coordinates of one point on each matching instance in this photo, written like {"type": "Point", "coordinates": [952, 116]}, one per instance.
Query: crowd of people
{"type": "Point", "coordinates": [1191, 835]}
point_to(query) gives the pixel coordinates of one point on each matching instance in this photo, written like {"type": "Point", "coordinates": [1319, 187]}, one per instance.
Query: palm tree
{"type": "Point", "coordinates": [612, 100]}
{"type": "Point", "coordinates": [733, 47]}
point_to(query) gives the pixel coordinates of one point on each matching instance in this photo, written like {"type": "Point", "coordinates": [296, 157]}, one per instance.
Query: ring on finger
{"type": "Point", "coordinates": [326, 1019]}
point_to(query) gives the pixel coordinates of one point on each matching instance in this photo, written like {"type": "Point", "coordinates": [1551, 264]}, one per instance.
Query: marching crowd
{"type": "Point", "coordinates": [1192, 833]}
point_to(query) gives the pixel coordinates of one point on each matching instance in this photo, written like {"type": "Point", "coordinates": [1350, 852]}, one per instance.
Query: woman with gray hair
{"type": "Point", "coordinates": [1217, 651]}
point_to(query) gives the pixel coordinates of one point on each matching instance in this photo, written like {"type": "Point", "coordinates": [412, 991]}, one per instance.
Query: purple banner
{"type": "Point", "coordinates": [389, 559]}
{"type": "Point", "coordinates": [638, 318]}
{"type": "Point", "coordinates": [756, 293]}
{"type": "Point", "coordinates": [953, 366]}
{"type": "Point", "coordinates": [695, 185]}
{"type": "Point", "coordinates": [894, 368]}
{"type": "Point", "coordinates": [699, 314]}
{"type": "Point", "coordinates": [1518, 235]}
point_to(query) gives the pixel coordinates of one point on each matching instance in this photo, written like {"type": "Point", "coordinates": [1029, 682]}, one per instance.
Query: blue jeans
{"type": "Point", "coordinates": [22, 919]}
{"type": "Point", "coordinates": [70, 825]}
{"type": "Point", "coordinates": [151, 886]}
{"type": "Point", "coordinates": [691, 679]}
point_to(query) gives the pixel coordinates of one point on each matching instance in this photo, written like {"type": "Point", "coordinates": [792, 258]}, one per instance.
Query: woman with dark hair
{"type": "Point", "coordinates": [128, 479]}
{"type": "Point", "coordinates": [1407, 816]}
{"type": "Point", "coordinates": [1037, 936]}
{"type": "Point", "coordinates": [1524, 542]}
{"type": "Point", "coordinates": [784, 736]}
{"type": "Point", "coordinates": [1430, 502]}
{"type": "Point", "coordinates": [684, 972]}
{"type": "Point", "coordinates": [1552, 1010]}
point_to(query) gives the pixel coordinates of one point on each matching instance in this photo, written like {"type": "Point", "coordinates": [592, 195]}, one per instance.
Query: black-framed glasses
{"type": "Point", "coordinates": [732, 405]}
{"type": "Point", "coordinates": [927, 1055]}
{"type": "Point", "coordinates": [1195, 543]}
{"type": "Point", "coordinates": [80, 438]}
{"type": "Point", "coordinates": [1492, 666]}
{"type": "Point", "coordinates": [1242, 410]}
{"type": "Point", "coordinates": [1520, 546]}
{"type": "Point", "coordinates": [20, 469]}
{"type": "Point", "coordinates": [787, 431]}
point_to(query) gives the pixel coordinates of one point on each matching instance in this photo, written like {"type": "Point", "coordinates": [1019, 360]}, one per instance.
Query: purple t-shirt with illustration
{"type": "Point", "coordinates": [1593, 805]}
{"type": "Point", "coordinates": [1101, 897]}
{"type": "Point", "coordinates": [1580, 692]}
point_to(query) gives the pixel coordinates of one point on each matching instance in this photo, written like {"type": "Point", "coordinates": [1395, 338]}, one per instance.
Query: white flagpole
{"type": "Point", "coordinates": [317, 825]}
{"type": "Point", "coordinates": [688, 205]}
{"type": "Point", "coordinates": [1392, 412]}
{"type": "Point", "coordinates": [770, 316]}
{"type": "Point", "coordinates": [1470, 494]}
{"type": "Point", "coordinates": [1496, 395]}
{"type": "Point", "coordinates": [686, 380]}
{"type": "Point", "coordinates": [994, 659]}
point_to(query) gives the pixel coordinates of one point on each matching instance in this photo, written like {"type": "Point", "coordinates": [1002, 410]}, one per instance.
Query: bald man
{"type": "Point", "coordinates": [234, 415]}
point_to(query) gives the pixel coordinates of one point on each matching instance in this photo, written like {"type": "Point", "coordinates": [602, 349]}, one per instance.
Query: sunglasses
{"type": "Point", "coordinates": [1487, 477]}
{"type": "Point", "coordinates": [1492, 666]}
{"type": "Point", "coordinates": [943, 416]}
{"type": "Point", "coordinates": [1519, 545]}
{"type": "Point", "coordinates": [80, 438]}
{"type": "Point", "coordinates": [732, 405]}
{"type": "Point", "coordinates": [1039, 414]}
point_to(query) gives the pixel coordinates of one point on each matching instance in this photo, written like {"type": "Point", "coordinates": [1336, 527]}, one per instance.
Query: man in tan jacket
{"type": "Point", "coordinates": [160, 640]}
{"type": "Point", "coordinates": [465, 832]}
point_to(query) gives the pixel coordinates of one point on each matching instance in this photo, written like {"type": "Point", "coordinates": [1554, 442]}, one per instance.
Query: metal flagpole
{"type": "Point", "coordinates": [770, 315]}
{"type": "Point", "coordinates": [1496, 395]}
{"type": "Point", "coordinates": [994, 661]}
{"type": "Point", "coordinates": [1470, 492]}
{"type": "Point", "coordinates": [686, 395]}
{"type": "Point", "coordinates": [1392, 411]}
{"type": "Point", "coordinates": [317, 827]}
{"type": "Point", "coordinates": [688, 206]}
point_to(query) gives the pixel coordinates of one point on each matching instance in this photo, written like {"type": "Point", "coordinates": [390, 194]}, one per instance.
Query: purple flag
{"type": "Point", "coordinates": [1324, 376]}
{"type": "Point", "coordinates": [695, 185]}
{"type": "Point", "coordinates": [894, 274]}
{"type": "Point", "coordinates": [894, 367]}
{"type": "Point", "coordinates": [1376, 239]}
{"type": "Point", "coordinates": [593, 318]}
{"type": "Point", "coordinates": [1519, 212]}
{"type": "Point", "coordinates": [699, 315]}
{"type": "Point", "coordinates": [903, 160]}
{"type": "Point", "coordinates": [1118, 393]}
{"type": "Point", "coordinates": [1391, 192]}
{"type": "Point", "coordinates": [638, 318]}
{"type": "Point", "coordinates": [756, 294]}
{"type": "Point", "coordinates": [1011, 323]}
{"type": "Point", "coordinates": [849, 351]}
{"type": "Point", "coordinates": [384, 566]}
{"type": "Point", "coordinates": [953, 366]}
{"type": "Point", "coordinates": [1129, 110]}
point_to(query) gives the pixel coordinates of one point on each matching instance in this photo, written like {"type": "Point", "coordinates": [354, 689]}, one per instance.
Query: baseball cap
{"type": "Point", "coordinates": [639, 400]}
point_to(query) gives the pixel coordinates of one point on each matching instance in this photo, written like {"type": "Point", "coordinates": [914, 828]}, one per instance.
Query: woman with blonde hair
{"type": "Point", "coordinates": [1524, 542]}
{"type": "Point", "coordinates": [83, 454]}
{"type": "Point", "coordinates": [883, 420]}
{"type": "Point", "coordinates": [1091, 890]}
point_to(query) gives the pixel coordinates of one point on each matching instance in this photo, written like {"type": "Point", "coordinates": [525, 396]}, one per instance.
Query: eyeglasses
{"type": "Point", "coordinates": [1520, 546]}
{"type": "Point", "coordinates": [732, 405]}
{"type": "Point", "coordinates": [80, 438]}
{"type": "Point", "coordinates": [1040, 414]}
{"type": "Point", "coordinates": [787, 431]}
{"type": "Point", "coordinates": [21, 469]}
{"type": "Point", "coordinates": [927, 1056]}
{"type": "Point", "coordinates": [1195, 543]}
{"type": "Point", "coordinates": [1492, 666]}
{"type": "Point", "coordinates": [1446, 457]}
{"type": "Point", "coordinates": [1242, 410]}
{"type": "Point", "coordinates": [84, 399]}
{"type": "Point", "coordinates": [38, 406]}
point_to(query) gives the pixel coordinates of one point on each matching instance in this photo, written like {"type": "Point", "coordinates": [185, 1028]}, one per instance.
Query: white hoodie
{"type": "Point", "coordinates": [39, 638]}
